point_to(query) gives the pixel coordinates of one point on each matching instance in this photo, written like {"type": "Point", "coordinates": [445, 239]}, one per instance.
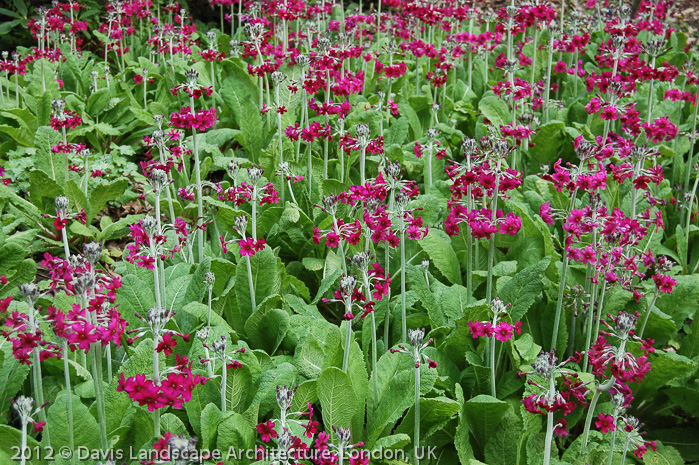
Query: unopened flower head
{"type": "Point", "coordinates": [278, 77]}
{"type": "Point", "coordinates": [255, 174]}
{"type": "Point", "coordinates": [93, 252]}
{"type": "Point", "coordinates": [284, 397]}
{"type": "Point", "coordinates": [348, 283]}
{"type": "Point", "coordinates": [191, 76]}
{"type": "Point", "coordinates": [361, 261]}
{"type": "Point", "coordinates": [209, 279]}
{"type": "Point", "coordinates": [233, 169]}
{"type": "Point", "coordinates": [432, 133]}
{"type": "Point", "coordinates": [344, 437]}
{"type": "Point", "coordinates": [58, 105]}
{"type": "Point", "coordinates": [203, 334]}
{"type": "Point", "coordinates": [545, 364]}
{"type": "Point", "coordinates": [241, 224]}
{"type": "Point", "coordinates": [158, 179]}
{"type": "Point", "coordinates": [30, 293]}
{"type": "Point", "coordinates": [150, 224]}
{"type": "Point", "coordinates": [62, 204]}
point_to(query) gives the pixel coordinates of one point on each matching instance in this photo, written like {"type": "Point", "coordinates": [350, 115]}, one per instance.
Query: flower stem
{"type": "Point", "coordinates": [224, 384]}
{"type": "Point", "coordinates": [417, 413]}
{"type": "Point", "coordinates": [99, 392]}
{"type": "Point", "coordinates": [493, 391]}
{"type": "Point", "coordinates": [156, 381]}
{"type": "Point", "coordinates": [348, 341]}
{"type": "Point", "coordinates": [69, 398]}
{"type": "Point", "coordinates": [648, 311]}
{"type": "Point", "coordinates": [23, 452]}
{"type": "Point", "coordinates": [66, 249]}
{"type": "Point", "coordinates": [200, 205]}
{"type": "Point", "coordinates": [591, 409]}
{"type": "Point", "coordinates": [549, 425]}
{"type": "Point", "coordinates": [251, 284]}
{"type": "Point", "coordinates": [404, 323]}
{"type": "Point", "coordinates": [491, 251]}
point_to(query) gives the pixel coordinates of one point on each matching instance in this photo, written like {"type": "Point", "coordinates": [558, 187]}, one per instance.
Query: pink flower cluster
{"type": "Point", "coordinates": [502, 331]}
{"type": "Point", "coordinates": [173, 391]}
{"type": "Point", "coordinates": [201, 120]}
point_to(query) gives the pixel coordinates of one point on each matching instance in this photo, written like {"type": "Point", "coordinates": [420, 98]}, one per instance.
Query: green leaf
{"type": "Point", "coordinates": [211, 417]}
{"type": "Point", "coordinates": [462, 441]}
{"type": "Point", "coordinates": [484, 414]}
{"type": "Point", "coordinates": [235, 432]}
{"type": "Point", "coordinates": [437, 246]}
{"type": "Point", "coordinates": [667, 366]}
{"type": "Point", "coordinates": [104, 193]}
{"type": "Point", "coordinates": [203, 396]}
{"type": "Point", "coordinates": [523, 290]}
{"type": "Point", "coordinates": [395, 386]}
{"type": "Point", "coordinates": [234, 92]}
{"type": "Point", "coordinates": [336, 397]}
{"type": "Point", "coordinates": [503, 447]}
{"type": "Point", "coordinates": [10, 443]}
{"type": "Point", "coordinates": [85, 426]}
{"type": "Point", "coordinates": [547, 143]}
{"type": "Point", "coordinates": [197, 288]}
{"type": "Point", "coordinates": [12, 376]}
{"type": "Point", "coordinates": [495, 109]}
{"type": "Point", "coordinates": [265, 279]}
{"type": "Point", "coordinates": [53, 164]}
{"type": "Point", "coordinates": [266, 328]}
{"type": "Point", "coordinates": [309, 357]}
{"type": "Point", "coordinates": [435, 412]}
{"type": "Point", "coordinates": [663, 455]}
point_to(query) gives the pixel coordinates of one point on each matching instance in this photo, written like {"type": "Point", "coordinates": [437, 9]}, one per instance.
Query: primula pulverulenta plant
{"type": "Point", "coordinates": [553, 395]}
{"type": "Point", "coordinates": [27, 411]}
{"type": "Point", "coordinates": [416, 350]}
{"type": "Point", "coordinates": [496, 330]}
{"type": "Point", "coordinates": [219, 352]}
